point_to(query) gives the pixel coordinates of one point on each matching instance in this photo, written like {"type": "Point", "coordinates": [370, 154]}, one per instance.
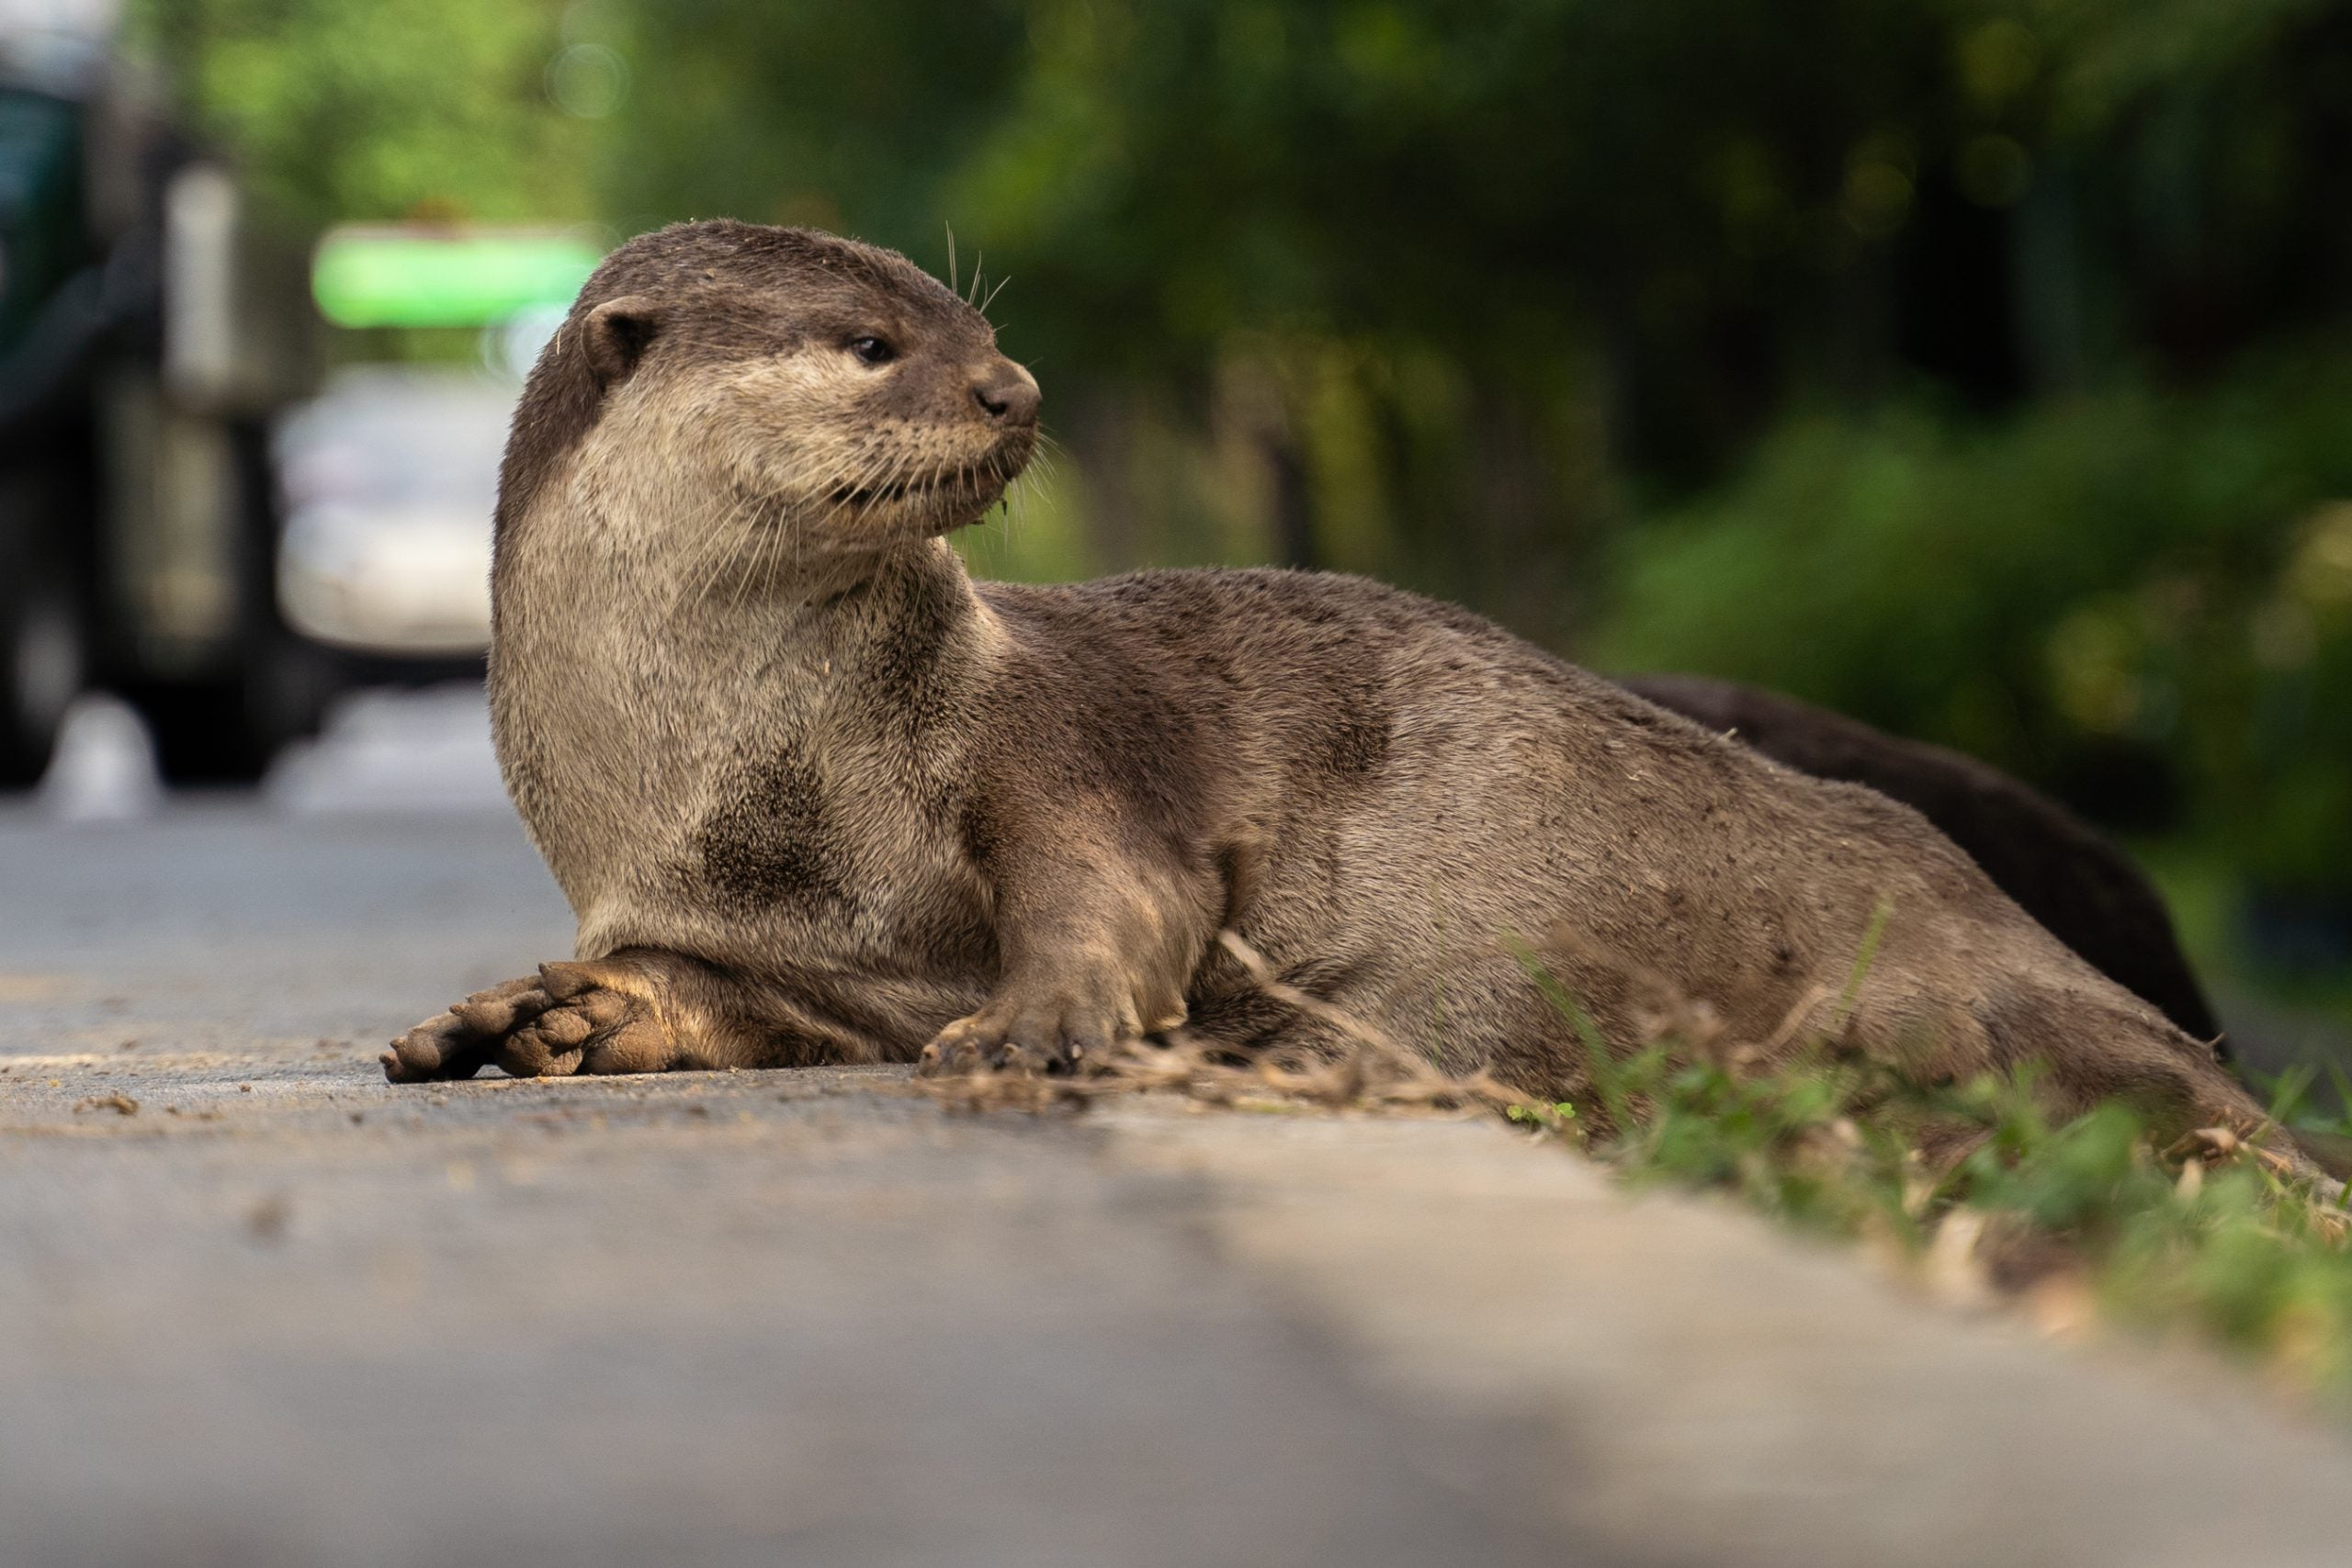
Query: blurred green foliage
{"type": "Point", "coordinates": [2146, 594]}
{"type": "Point", "coordinates": [1980, 365]}
{"type": "Point", "coordinates": [386, 109]}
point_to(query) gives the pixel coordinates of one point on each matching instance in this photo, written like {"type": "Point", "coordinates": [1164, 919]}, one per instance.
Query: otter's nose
{"type": "Point", "coordinates": [1007, 394]}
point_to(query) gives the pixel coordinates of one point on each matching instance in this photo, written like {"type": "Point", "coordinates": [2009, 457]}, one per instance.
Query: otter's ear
{"type": "Point", "coordinates": [617, 334]}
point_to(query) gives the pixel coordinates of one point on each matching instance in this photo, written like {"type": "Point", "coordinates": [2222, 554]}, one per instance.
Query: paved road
{"type": "Point", "coordinates": [283, 1313]}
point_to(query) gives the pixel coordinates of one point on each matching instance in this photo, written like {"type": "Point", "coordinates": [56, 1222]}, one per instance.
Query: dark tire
{"type": "Point", "coordinates": [227, 731]}
{"type": "Point", "coordinates": [43, 638]}
{"type": "Point", "coordinates": [225, 728]}
{"type": "Point", "coordinates": [204, 734]}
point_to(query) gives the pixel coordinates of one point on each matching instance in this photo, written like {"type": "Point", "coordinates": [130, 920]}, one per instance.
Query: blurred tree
{"type": "Point", "coordinates": [2141, 597]}
{"type": "Point", "coordinates": [800, 111]}
{"type": "Point", "coordinates": [384, 110]}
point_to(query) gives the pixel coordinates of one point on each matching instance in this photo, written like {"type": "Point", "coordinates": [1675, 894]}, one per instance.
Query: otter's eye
{"type": "Point", "coordinates": [872, 350]}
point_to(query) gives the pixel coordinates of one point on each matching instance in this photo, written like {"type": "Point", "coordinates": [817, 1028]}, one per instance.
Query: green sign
{"type": "Point", "coordinates": [426, 278]}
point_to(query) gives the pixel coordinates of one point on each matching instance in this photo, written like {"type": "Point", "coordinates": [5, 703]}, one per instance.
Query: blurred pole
{"type": "Point", "coordinates": [1293, 502]}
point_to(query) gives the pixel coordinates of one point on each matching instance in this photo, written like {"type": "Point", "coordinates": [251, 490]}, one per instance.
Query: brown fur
{"type": "Point", "coordinates": [816, 796]}
{"type": "Point", "coordinates": [2084, 890]}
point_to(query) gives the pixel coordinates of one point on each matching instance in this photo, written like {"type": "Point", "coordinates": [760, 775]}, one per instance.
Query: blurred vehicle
{"type": "Point", "coordinates": [389, 479]}
{"type": "Point", "coordinates": [157, 539]}
{"type": "Point", "coordinates": [147, 333]}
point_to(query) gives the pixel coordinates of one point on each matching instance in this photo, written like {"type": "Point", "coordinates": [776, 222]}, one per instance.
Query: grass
{"type": "Point", "coordinates": [2204, 1237]}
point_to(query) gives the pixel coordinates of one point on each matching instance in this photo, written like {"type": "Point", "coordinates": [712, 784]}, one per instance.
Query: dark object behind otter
{"type": "Point", "coordinates": [2081, 887]}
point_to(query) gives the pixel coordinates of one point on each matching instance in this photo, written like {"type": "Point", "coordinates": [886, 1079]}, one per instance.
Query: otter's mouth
{"type": "Point", "coordinates": [959, 480]}
{"type": "Point", "coordinates": [974, 486]}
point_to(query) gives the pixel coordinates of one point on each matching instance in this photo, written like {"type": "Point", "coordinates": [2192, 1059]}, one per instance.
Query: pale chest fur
{"type": "Point", "coordinates": [716, 782]}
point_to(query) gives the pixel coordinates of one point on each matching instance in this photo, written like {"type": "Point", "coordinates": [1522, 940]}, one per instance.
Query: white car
{"type": "Point", "coordinates": [390, 478]}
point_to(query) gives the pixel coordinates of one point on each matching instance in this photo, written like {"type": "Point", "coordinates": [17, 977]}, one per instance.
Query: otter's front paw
{"type": "Point", "coordinates": [1061, 1028]}
{"type": "Point", "coordinates": [569, 1018]}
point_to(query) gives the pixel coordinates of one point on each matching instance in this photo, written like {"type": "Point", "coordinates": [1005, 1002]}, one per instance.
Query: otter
{"type": "Point", "coordinates": [816, 796]}
{"type": "Point", "coordinates": [2081, 887]}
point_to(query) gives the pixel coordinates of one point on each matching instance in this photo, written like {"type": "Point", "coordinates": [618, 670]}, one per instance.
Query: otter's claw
{"type": "Point", "coordinates": [1043, 1034]}
{"type": "Point", "coordinates": [440, 1048]}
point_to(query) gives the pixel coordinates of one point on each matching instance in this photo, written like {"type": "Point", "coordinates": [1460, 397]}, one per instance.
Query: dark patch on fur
{"type": "Point", "coordinates": [1122, 729]}
{"type": "Point", "coordinates": [769, 845]}
{"type": "Point", "coordinates": [982, 834]}
{"type": "Point", "coordinates": [906, 676]}
{"type": "Point", "coordinates": [1356, 743]}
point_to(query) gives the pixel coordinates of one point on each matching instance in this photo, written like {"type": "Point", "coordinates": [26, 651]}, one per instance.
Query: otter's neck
{"type": "Point", "coordinates": [626, 690]}
{"type": "Point", "coordinates": [888, 637]}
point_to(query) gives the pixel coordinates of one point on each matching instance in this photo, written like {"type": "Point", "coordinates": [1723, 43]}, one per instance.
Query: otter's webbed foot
{"type": "Point", "coordinates": [569, 1018]}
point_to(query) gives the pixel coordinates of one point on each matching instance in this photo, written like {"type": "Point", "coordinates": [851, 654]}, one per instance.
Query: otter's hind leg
{"type": "Point", "coordinates": [2102, 1048]}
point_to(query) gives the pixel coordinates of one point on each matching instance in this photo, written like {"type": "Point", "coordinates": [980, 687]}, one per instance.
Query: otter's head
{"type": "Point", "coordinates": [832, 398]}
